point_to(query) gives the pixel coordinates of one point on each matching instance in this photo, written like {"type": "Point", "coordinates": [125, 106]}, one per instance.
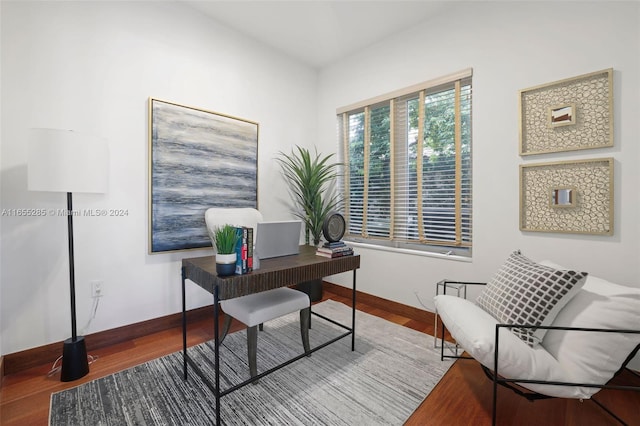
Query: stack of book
{"type": "Point", "coordinates": [244, 250]}
{"type": "Point", "coordinates": [336, 249]}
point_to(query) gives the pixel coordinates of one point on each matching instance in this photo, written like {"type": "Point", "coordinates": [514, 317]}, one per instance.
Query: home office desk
{"type": "Point", "coordinates": [273, 273]}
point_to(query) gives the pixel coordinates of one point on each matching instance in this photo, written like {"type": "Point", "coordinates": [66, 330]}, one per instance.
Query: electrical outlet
{"type": "Point", "coordinates": [96, 289]}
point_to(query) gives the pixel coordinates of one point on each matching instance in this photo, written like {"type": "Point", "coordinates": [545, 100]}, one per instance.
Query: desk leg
{"type": "Point", "coordinates": [353, 313]}
{"type": "Point", "coordinates": [216, 320]}
{"type": "Point", "coordinates": [184, 326]}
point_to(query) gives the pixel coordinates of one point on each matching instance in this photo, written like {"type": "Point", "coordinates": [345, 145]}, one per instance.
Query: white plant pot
{"type": "Point", "coordinates": [225, 264]}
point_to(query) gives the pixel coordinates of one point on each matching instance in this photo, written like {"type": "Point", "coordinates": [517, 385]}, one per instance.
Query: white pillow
{"type": "Point", "coordinates": [591, 357]}
{"type": "Point", "coordinates": [525, 292]}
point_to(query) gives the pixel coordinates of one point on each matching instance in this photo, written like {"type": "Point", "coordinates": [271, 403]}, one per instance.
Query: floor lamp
{"type": "Point", "coordinates": [67, 161]}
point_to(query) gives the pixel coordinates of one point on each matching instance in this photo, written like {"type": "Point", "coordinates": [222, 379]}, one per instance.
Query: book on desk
{"type": "Point", "coordinates": [244, 250]}
{"type": "Point", "coordinates": [334, 249]}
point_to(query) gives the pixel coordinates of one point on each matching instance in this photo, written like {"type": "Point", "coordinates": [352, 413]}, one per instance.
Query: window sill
{"type": "Point", "coordinates": [443, 256]}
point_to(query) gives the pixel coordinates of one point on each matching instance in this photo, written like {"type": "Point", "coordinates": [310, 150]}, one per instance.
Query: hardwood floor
{"type": "Point", "coordinates": [463, 396]}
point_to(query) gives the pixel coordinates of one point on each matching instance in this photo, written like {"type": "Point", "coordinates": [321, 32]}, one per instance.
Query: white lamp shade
{"type": "Point", "coordinates": [67, 161]}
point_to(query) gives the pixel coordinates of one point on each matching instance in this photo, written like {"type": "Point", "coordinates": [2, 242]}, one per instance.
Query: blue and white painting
{"type": "Point", "coordinates": [199, 159]}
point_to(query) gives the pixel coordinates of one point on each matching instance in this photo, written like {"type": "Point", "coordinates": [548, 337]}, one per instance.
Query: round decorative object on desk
{"type": "Point", "coordinates": [333, 227]}
{"type": "Point", "coordinates": [225, 264]}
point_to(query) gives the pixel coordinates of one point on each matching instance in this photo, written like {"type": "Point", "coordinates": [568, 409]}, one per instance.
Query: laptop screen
{"type": "Point", "coordinates": [275, 239]}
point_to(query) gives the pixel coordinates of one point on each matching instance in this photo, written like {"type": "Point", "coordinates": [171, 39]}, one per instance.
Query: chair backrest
{"type": "Point", "coordinates": [599, 304]}
{"type": "Point", "coordinates": [236, 216]}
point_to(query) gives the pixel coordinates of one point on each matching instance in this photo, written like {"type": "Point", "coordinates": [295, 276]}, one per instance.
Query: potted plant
{"type": "Point", "coordinates": [225, 238]}
{"type": "Point", "coordinates": [310, 179]}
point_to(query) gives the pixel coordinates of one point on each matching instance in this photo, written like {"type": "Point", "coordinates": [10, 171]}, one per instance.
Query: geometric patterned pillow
{"type": "Point", "coordinates": [527, 293]}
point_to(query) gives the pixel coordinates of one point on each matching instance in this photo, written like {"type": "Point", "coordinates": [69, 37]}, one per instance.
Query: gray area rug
{"type": "Point", "coordinates": [382, 382]}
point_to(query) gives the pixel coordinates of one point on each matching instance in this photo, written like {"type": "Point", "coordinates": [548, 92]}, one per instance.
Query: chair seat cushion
{"type": "Point", "coordinates": [257, 308]}
{"type": "Point", "coordinates": [474, 330]}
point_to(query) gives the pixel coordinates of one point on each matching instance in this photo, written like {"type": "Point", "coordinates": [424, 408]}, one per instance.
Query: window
{"type": "Point", "coordinates": [407, 160]}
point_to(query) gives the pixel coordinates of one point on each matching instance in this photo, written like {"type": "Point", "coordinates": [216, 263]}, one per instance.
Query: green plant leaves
{"type": "Point", "coordinates": [225, 238]}
{"type": "Point", "coordinates": [310, 178]}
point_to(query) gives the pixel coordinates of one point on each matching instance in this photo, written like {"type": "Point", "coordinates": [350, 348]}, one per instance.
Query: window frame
{"type": "Point", "coordinates": [462, 245]}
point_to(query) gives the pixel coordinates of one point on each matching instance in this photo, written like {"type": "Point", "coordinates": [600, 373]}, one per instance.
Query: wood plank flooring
{"type": "Point", "coordinates": [463, 396]}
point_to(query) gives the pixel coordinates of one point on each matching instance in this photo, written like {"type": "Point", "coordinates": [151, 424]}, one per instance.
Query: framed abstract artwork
{"type": "Point", "coordinates": [567, 196]}
{"type": "Point", "coordinates": [567, 115]}
{"type": "Point", "coordinates": [197, 159]}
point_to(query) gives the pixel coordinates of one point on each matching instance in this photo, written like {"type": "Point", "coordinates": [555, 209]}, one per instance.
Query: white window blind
{"type": "Point", "coordinates": [407, 159]}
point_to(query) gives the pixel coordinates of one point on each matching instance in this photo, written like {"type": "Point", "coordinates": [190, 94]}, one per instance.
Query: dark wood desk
{"type": "Point", "coordinates": [273, 273]}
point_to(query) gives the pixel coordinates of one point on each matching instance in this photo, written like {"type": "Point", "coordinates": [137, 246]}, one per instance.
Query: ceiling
{"type": "Point", "coordinates": [319, 32]}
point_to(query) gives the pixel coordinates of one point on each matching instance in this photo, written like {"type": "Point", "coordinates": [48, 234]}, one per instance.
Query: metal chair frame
{"type": "Point", "coordinates": [533, 396]}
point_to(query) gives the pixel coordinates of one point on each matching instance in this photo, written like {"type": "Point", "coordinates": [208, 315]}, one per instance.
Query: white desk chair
{"type": "Point", "coordinates": [255, 309]}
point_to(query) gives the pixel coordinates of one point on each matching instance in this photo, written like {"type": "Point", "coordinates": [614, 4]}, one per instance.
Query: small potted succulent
{"type": "Point", "coordinates": [225, 238]}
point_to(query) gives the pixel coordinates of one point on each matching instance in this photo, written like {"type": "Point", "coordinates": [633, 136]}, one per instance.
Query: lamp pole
{"type": "Point", "coordinates": [72, 274]}
{"type": "Point", "coordinates": [74, 353]}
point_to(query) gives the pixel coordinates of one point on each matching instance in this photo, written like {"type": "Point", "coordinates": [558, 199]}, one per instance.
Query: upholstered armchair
{"type": "Point", "coordinates": [549, 330]}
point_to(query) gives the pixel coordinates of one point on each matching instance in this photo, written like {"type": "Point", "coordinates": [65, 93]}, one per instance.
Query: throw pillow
{"type": "Point", "coordinates": [524, 292]}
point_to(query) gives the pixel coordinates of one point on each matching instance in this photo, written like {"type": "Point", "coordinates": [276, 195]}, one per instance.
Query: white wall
{"type": "Point", "coordinates": [511, 46]}
{"type": "Point", "coordinates": [92, 66]}
{"type": "Point", "coordinates": [1, 126]}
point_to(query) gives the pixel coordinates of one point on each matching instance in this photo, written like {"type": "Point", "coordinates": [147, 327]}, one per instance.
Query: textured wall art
{"type": "Point", "coordinates": [567, 196]}
{"type": "Point", "coordinates": [566, 115]}
{"type": "Point", "coordinates": [197, 159]}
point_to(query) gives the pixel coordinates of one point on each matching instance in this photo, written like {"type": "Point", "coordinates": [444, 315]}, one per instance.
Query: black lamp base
{"type": "Point", "coordinates": [74, 359]}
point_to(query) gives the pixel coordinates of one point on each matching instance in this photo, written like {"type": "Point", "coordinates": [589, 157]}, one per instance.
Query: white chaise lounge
{"type": "Point", "coordinates": [564, 351]}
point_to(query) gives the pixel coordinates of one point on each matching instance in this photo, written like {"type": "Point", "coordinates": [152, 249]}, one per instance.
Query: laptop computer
{"type": "Point", "coordinates": [275, 239]}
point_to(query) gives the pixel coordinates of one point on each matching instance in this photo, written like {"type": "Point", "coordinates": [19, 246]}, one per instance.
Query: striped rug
{"type": "Point", "coordinates": [391, 371]}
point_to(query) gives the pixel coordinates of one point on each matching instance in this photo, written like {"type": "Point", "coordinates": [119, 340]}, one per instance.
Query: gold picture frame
{"type": "Point", "coordinates": [567, 196]}
{"type": "Point", "coordinates": [566, 115]}
{"type": "Point", "coordinates": [197, 159]}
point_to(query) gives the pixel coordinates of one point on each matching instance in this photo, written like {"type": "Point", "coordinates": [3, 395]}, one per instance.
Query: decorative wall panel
{"type": "Point", "coordinates": [566, 115]}
{"type": "Point", "coordinates": [567, 196]}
